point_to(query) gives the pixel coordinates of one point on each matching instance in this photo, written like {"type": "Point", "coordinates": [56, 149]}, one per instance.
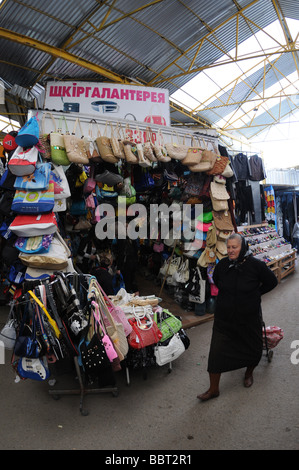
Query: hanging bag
{"type": "Point", "coordinates": [58, 152]}
{"type": "Point", "coordinates": [90, 143]}
{"type": "Point", "coordinates": [160, 149]}
{"type": "Point", "coordinates": [175, 150]}
{"type": "Point", "coordinates": [45, 137]}
{"type": "Point", "coordinates": [34, 225]}
{"type": "Point", "coordinates": [75, 146]}
{"type": "Point", "coordinates": [33, 201]}
{"type": "Point", "coordinates": [111, 353]}
{"type": "Point", "coordinates": [167, 323]}
{"type": "Point", "coordinates": [23, 161]}
{"type": "Point", "coordinates": [28, 135]}
{"type": "Point", "coordinates": [116, 143]}
{"type": "Point", "coordinates": [104, 146]}
{"type": "Point", "coordinates": [55, 258]}
{"type": "Point", "coordinates": [148, 147]}
{"type": "Point", "coordinates": [38, 180]}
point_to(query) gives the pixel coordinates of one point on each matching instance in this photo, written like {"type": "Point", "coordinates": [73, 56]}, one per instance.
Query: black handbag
{"type": "Point", "coordinates": [95, 361]}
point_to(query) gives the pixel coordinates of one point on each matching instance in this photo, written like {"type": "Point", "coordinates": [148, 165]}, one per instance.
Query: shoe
{"type": "Point", "coordinates": [207, 396]}
{"type": "Point", "coordinates": [248, 381]}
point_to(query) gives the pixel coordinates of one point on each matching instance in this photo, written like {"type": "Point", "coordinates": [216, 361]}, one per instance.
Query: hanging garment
{"type": "Point", "coordinates": [257, 168]}
{"type": "Point", "coordinates": [241, 166]}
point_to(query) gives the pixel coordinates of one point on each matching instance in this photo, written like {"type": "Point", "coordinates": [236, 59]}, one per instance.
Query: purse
{"type": "Point", "coordinates": [148, 147]}
{"type": "Point", "coordinates": [27, 345]}
{"type": "Point", "coordinates": [28, 135]}
{"type": "Point", "coordinates": [167, 323]}
{"type": "Point", "coordinates": [145, 332]}
{"type": "Point", "coordinates": [34, 225]}
{"type": "Point", "coordinates": [196, 288]}
{"type": "Point", "coordinates": [111, 353]}
{"type": "Point", "coordinates": [208, 159]}
{"type": "Point", "coordinates": [61, 184]}
{"type": "Point", "coordinates": [33, 202]}
{"type": "Point", "coordinates": [92, 151]}
{"type": "Point", "coordinates": [45, 138]}
{"type": "Point", "coordinates": [164, 354]}
{"type": "Point", "coordinates": [116, 311]}
{"type": "Point", "coordinates": [114, 328]}
{"type": "Point", "coordinates": [58, 151]}
{"type": "Point", "coordinates": [39, 244]}
{"type": "Point", "coordinates": [55, 258]}
{"type": "Point", "coordinates": [219, 166]}
{"type": "Point", "coordinates": [75, 146]}
{"type": "Point", "coordinates": [23, 161]}
{"type": "Point", "coordinates": [223, 220]}
{"type": "Point", "coordinates": [160, 149]}
{"type": "Point", "coordinates": [8, 333]}
{"type": "Point", "coordinates": [104, 147]}
{"type": "Point", "coordinates": [176, 151]}
{"type": "Point", "coordinates": [116, 142]}
{"type": "Point", "coordinates": [38, 180]}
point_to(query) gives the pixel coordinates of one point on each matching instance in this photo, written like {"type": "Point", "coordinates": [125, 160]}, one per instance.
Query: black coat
{"type": "Point", "coordinates": [237, 331]}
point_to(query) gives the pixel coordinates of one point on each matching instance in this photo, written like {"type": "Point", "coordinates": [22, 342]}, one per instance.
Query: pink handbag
{"type": "Point", "coordinates": [110, 351]}
{"type": "Point", "coordinates": [117, 313]}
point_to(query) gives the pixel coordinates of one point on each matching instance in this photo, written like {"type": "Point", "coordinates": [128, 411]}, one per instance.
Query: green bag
{"type": "Point", "coordinates": [57, 145]}
{"type": "Point", "coordinates": [169, 325]}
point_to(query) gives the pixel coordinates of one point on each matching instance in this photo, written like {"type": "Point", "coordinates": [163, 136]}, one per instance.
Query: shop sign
{"type": "Point", "coordinates": [131, 102]}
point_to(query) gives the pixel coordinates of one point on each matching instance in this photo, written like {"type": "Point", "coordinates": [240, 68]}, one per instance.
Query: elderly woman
{"type": "Point", "coordinates": [237, 331]}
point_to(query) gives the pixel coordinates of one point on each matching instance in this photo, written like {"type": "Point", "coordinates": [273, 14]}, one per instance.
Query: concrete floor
{"type": "Point", "coordinates": [162, 412]}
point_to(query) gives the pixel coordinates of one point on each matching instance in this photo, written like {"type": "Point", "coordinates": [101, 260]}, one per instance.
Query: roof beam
{"type": "Point", "coordinates": [61, 54]}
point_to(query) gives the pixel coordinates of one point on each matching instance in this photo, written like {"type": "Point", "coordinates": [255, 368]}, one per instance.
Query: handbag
{"type": "Point", "coordinates": [8, 333]}
{"type": "Point", "coordinates": [92, 151]}
{"type": "Point", "coordinates": [116, 311]}
{"type": "Point", "coordinates": [194, 154]}
{"type": "Point", "coordinates": [143, 161]}
{"type": "Point", "coordinates": [182, 274]}
{"type": "Point", "coordinates": [148, 147]}
{"type": "Point", "coordinates": [33, 201]}
{"type": "Point", "coordinates": [104, 147]}
{"type": "Point", "coordinates": [33, 225]}
{"type": "Point", "coordinates": [116, 143]}
{"type": "Point", "coordinates": [160, 149]}
{"type": "Point", "coordinates": [39, 244]}
{"type": "Point", "coordinates": [61, 184]}
{"type": "Point", "coordinates": [28, 135]}
{"type": "Point", "coordinates": [23, 161]}
{"type": "Point", "coordinates": [208, 159]}
{"type": "Point", "coordinates": [27, 345]}
{"type": "Point", "coordinates": [196, 288]}
{"type": "Point", "coordinates": [38, 180]}
{"type": "Point", "coordinates": [45, 137]}
{"type": "Point", "coordinates": [145, 332]}
{"type": "Point", "coordinates": [108, 345]}
{"type": "Point", "coordinates": [114, 328]}
{"type": "Point", "coordinates": [167, 323]}
{"type": "Point", "coordinates": [175, 150]}
{"type": "Point", "coordinates": [164, 354]}
{"type": "Point", "coordinates": [219, 166]}
{"type": "Point", "coordinates": [55, 258]}
{"type": "Point", "coordinates": [58, 152]}
{"type": "Point", "coordinates": [75, 146]}
{"type": "Point", "coordinates": [223, 220]}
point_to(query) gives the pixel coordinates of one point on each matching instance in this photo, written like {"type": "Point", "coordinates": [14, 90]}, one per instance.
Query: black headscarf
{"type": "Point", "coordinates": [243, 255]}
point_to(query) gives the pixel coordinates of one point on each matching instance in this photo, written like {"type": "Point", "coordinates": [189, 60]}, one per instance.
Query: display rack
{"type": "Point", "coordinates": [82, 390]}
{"type": "Point", "coordinates": [268, 246]}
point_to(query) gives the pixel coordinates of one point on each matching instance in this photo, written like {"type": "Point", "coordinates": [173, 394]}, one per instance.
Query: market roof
{"type": "Point", "coordinates": [199, 50]}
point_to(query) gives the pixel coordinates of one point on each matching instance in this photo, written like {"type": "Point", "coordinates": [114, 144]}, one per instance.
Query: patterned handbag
{"type": "Point", "coordinates": [167, 323]}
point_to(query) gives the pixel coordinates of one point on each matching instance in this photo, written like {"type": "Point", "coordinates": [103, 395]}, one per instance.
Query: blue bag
{"type": "Point", "coordinates": [37, 180]}
{"type": "Point", "coordinates": [28, 135]}
{"type": "Point", "coordinates": [33, 202]}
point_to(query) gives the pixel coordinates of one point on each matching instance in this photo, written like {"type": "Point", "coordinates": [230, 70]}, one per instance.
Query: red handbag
{"type": "Point", "coordinates": [144, 333]}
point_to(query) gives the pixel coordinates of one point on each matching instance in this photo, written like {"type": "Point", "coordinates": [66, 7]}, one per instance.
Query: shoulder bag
{"type": "Point", "coordinates": [28, 135]}
{"type": "Point", "coordinates": [75, 146]}
{"type": "Point", "coordinates": [58, 152]}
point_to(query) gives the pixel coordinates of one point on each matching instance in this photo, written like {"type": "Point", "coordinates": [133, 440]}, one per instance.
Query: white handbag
{"type": "Point", "coordinates": [61, 185]}
{"type": "Point", "coordinates": [182, 274]}
{"type": "Point", "coordinates": [170, 352]}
